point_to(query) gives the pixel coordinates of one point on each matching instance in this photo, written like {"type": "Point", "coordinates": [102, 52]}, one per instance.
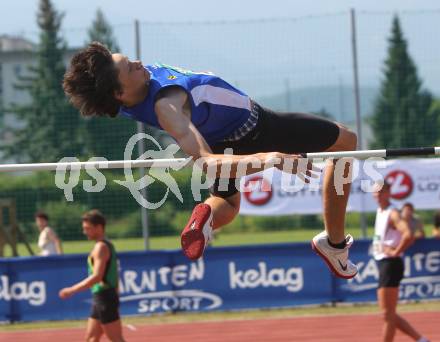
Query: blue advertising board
{"type": "Point", "coordinates": [228, 278]}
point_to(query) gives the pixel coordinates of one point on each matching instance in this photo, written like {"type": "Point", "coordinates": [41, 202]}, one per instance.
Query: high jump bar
{"type": "Point", "coordinates": [180, 162]}
{"type": "Point", "coordinates": [365, 154]}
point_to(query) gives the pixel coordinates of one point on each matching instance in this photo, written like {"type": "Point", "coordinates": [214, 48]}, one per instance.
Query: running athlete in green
{"type": "Point", "coordinates": [102, 280]}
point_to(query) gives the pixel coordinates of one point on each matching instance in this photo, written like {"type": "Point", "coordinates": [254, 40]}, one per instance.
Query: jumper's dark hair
{"type": "Point", "coordinates": [42, 214]}
{"type": "Point", "coordinates": [92, 81]}
{"type": "Point", "coordinates": [94, 217]}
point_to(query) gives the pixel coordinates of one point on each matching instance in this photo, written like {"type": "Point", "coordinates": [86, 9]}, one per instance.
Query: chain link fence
{"type": "Point", "coordinates": [299, 64]}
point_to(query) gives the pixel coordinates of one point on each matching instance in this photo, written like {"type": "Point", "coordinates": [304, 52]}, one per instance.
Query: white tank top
{"type": "Point", "coordinates": [46, 245]}
{"type": "Point", "coordinates": [384, 233]}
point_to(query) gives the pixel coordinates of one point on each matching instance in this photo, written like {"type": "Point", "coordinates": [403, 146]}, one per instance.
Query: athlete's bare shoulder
{"type": "Point", "coordinates": [99, 248]}
{"type": "Point", "coordinates": [395, 217]}
{"type": "Point", "coordinates": [172, 100]}
{"type": "Point", "coordinates": [172, 93]}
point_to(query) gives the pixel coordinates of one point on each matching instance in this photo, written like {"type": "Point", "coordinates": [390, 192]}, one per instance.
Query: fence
{"type": "Point", "coordinates": [294, 64]}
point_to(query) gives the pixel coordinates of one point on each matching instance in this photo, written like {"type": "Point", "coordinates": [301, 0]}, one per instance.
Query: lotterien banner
{"type": "Point", "coordinates": [234, 278]}
{"type": "Point", "coordinates": [276, 193]}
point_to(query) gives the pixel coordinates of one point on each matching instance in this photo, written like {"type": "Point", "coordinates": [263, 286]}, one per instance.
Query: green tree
{"type": "Point", "coordinates": [49, 125]}
{"type": "Point", "coordinates": [402, 111]}
{"type": "Point", "coordinates": [106, 137]}
{"type": "Point", "coordinates": [433, 123]}
{"type": "Point", "coordinates": [102, 32]}
{"type": "Point", "coordinates": [2, 113]}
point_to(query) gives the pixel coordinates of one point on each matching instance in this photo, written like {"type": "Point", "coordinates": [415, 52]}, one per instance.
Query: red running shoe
{"type": "Point", "coordinates": [197, 232]}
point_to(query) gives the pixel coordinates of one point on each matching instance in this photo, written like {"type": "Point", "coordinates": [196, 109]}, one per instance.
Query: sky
{"type": "Point", "coordinates": [79, 13]}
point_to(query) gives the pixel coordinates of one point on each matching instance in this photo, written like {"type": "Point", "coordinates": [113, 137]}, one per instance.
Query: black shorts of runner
{"type": "Point", "coordinates": [105, 306]}
{"type": "Point", "coordinates": [390, 272]}
{"type": "Point", "coordinates": [278, 132]}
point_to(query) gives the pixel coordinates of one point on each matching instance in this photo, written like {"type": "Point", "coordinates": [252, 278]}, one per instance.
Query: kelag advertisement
{"type": "Point", "coordinates": [232, 278]}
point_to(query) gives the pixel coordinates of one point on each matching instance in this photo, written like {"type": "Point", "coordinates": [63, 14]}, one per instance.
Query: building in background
{"type": "Point", "coordinates": [17, 54]}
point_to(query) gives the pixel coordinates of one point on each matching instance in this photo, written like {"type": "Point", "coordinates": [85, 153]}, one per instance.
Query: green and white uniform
{"type": "Point", "coordinates": [105, 305]}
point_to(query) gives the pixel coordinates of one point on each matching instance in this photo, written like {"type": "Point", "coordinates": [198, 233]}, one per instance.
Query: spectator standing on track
{"type": "Point", "coordinates": [392, 236]}
{"type": "Point", "coordinates": [102, 280]}
{"type": "Point", "coordinates": [48, 241]}
{"type": "Point", "coordinates": [415, 222]}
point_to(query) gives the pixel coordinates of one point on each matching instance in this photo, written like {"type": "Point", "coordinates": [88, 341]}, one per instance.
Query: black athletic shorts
{"type": "Point", "coordinates": [279, 132]}
{"type": "Point", "coordinates": [390, 272]}
{"type": "Point", "coordinates": [105, 306]}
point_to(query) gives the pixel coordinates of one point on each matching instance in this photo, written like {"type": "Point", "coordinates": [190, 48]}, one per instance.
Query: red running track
{"type": "Point", "coordinates": [358, 328]}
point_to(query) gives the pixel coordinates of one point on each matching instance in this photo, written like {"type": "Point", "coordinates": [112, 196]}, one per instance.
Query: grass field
{"type": "Point", "coordinates": [237, 315]}
{"type": "Point", "coordinates": [173, 242]}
